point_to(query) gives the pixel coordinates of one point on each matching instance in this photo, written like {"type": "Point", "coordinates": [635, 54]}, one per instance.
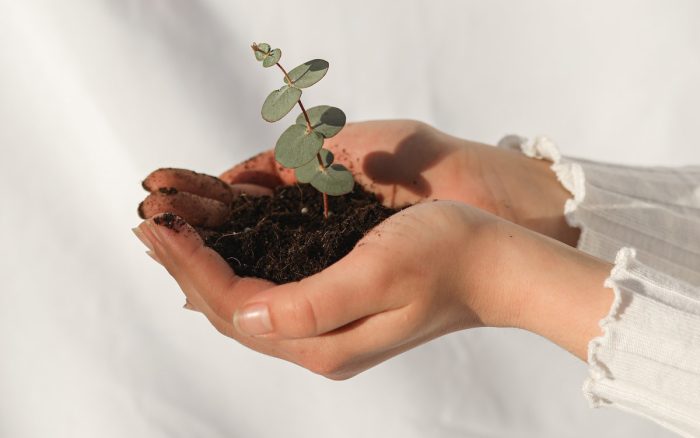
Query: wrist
{"type": "Point", "coordinates": [563, 296]}
{"type": "Point", "coordinates": [544, 197]}
{"type": "Point", "coordinates": [513, 277]}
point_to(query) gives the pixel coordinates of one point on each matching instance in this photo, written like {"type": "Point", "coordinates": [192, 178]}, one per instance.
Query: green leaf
{"type": "Point", "coordinates": [335, 180]}
{"type": "Point", "coordinates": [296, 147]}
{"type": "Point", "coordinates": [308, 171]}
{"type": "Point", "coordinates": [264, 48]}
{"type": "Point", "coordinates": [308, 73]}
{"type": "Point", "coordinates": [279, 103]}
{"type": "Point", "coordinates": [272, 58]}
{"type": "Point", "coordinates": [327, 120]}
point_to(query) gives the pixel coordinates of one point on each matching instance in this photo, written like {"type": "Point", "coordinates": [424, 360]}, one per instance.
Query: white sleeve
{"type": "Point", "coordinates": [646, 220]}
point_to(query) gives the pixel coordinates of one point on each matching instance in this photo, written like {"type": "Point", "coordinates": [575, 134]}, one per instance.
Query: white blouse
{"type": "Point", "coordinates": [646, 220]}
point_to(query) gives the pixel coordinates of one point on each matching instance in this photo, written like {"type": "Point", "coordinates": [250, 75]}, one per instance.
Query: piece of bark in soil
{"type": "Point", "coordinates": [284, 237]}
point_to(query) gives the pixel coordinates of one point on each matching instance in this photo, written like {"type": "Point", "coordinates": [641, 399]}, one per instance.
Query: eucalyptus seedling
{"type": "Point", "coordinates": [300, 147]}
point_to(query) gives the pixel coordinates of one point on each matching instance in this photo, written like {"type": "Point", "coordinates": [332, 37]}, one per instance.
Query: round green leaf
{"type": "Point", "coordinates": [327, 120]}
{"type": "Point", "coordinates": [335, 180]}
{"type": "Point", "coordinates": [308, 73]}
{"type": "Point", "coordinates": [296, 147]}
{"type": "Point", "coordinates": [263, 49]}
{"type": "Point", "coordinates": [272, 58]}
{"type": "Point", "coordinates": [308, 171]}
{"type": "Point", "coordinates": [279, 103]}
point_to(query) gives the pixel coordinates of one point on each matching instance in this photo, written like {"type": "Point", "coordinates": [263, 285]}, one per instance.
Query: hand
{"type": "Point", "coordinates": [433, 268]}
{"type": "Point", "coordinates": [393, 305]}
{"type": "Point", "coordinates": [403, 162]}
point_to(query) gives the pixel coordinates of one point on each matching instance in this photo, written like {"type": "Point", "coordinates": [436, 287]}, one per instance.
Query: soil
{"type": "Point", "coordinates": [284, 237]}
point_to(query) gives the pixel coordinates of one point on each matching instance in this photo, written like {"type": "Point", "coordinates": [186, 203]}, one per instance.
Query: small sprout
{"type": "Point", "coordinates": [272, 58]}
{"type": "Point", "coordinates": [261, 50]}
{"type": "Point", "coordinates": [300, 147]}
{"type": "Point", "coordinates": [263, 53]}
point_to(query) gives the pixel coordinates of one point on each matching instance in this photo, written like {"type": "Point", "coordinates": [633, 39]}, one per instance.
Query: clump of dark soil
{"type": "Point", "coordinates": [285, 237]}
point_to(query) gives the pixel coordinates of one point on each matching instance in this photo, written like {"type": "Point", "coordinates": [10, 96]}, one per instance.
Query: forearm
{"type": "Point", "coordinates": [520, 278]}
{"type": "Point", "coordinates": [564, 296]}
{"type": "Point", "coordinates": [553, 289]}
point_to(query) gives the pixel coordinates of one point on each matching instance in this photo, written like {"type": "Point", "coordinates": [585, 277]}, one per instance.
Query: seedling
{"type": "Point", "coordinates": [300, 147]}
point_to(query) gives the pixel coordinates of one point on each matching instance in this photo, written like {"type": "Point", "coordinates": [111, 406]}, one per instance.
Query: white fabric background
{"type": "Point", "coordinates": [95, 94]}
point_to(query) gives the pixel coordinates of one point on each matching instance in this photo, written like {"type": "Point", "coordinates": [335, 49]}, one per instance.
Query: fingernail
{"type": "Point", "coordinates": [253, 320]}
{"type": "Point", "coordinates": [142, 237]}
{"type": "Point", "coordinates": [188, 306]}
{"type": "Point", "coordinates": [153, 255]}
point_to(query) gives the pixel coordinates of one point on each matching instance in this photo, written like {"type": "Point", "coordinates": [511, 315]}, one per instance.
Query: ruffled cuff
{"type": "Point", "coordinates": [648, 359]}
{"type": "Point", "coordinates": [569, 173]}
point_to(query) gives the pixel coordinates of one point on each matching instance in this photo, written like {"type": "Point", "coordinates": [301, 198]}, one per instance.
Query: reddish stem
{"type": "Point", "coordinates": [308, 129]}
{"type": "Point", "coordinates": [286, 75]}
{"type": "Point", "coordinates": [306, 116]}
{"type": "Point", "coordinates": [325, 206]}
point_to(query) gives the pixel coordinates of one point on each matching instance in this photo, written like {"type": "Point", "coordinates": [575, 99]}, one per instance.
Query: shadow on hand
{"type": "Point", "coordinates": [405, 166]}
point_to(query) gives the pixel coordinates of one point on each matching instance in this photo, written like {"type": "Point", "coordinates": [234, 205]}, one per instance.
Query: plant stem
{"type": "Point", "coordinates": [325, 206]}
{"type": "Point", "coordinates": [318, 156]}
{"type": "Point", "coordinates": [309, 128]}
{"type": "Point", "coordinates": [306, 116]}
{"type": "Point", "coordinates": [325, 195]}
{"type": "Point", "coordinates": [286, 75]}
{"type": "Point", "coordinates": [301, 105]}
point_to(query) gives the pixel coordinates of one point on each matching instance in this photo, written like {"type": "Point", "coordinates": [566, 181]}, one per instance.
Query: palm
{"type": "Point", "coordinates": [392, 292]}
{"type": "Point", "coordinates": [401, 161]}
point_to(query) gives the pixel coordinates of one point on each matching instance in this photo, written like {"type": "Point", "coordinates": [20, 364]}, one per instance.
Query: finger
{"type": "Point", "coordinates": [338, 355]}
{"type": "Point", "coordinates": [347, 351]}
{"type": "Point", "coordinates": [195, 209]}
{"type": "Point", "coordinates": [184, 180]}
{"type": "Point", "coordinates": [209, 282]}
{"type": "Point", "coordinates": [200, 272]}
{"type": "Point", "coordinates": [349, 290]}
{"type": "Point", "coordinates": [261, 170]}
{"type": "Point", "coordinates": [195, 268]}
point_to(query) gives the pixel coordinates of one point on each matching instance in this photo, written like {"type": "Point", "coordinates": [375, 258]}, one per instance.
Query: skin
{"type": "Point", "coordinates": [485, 245]}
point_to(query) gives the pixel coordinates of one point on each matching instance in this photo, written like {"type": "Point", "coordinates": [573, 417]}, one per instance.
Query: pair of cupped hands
{"type": "Point", "coordinates": [485, 244]}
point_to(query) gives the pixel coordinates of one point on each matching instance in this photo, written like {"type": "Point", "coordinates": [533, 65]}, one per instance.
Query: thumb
{"type": "Point", "coordinates": [347, 291]}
